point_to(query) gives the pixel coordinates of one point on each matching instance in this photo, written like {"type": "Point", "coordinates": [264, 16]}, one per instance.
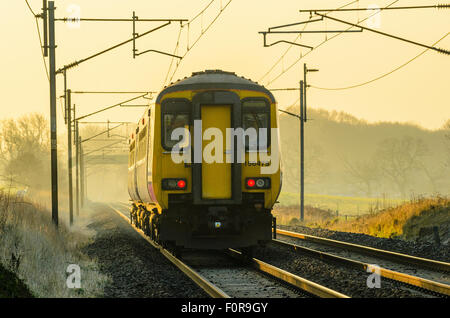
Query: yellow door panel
{"type": "Point", "coordinates": [216, 175]}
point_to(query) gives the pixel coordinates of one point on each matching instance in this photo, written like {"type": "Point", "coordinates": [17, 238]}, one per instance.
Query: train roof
{"type": "Point", "coordinates": [214, 79]}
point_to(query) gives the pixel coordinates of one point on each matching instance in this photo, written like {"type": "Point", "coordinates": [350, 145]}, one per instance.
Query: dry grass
{"type": "Point", "coordinates": [353, 206]}
{"type": "Point", "coordinates": [403, 221]}
{"type": "Point", "coordinates": [291, 215]}
{"type": "Point", "coordinates": [39, 253]}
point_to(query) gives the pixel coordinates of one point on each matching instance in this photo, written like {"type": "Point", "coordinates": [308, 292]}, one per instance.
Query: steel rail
{"type": "Point", "coordinates": [386, 273]}
{"type": "Point", "coordinates": [393, 256]}
{"type": "Point", "coordinates": [198, 279]}
{"type": "Point", "coordinates": [291, 279]}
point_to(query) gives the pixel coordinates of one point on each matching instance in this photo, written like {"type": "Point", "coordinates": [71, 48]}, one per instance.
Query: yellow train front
{"type": "Point", "coordinates": [197, 177]}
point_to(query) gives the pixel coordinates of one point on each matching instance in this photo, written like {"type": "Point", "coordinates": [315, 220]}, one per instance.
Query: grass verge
{"type": "Point", "coordinates": [39, 254]}
{"type": "Point", "coordinates": [411, 220]}
{"type": "Point", "coordinates": [342, 205]}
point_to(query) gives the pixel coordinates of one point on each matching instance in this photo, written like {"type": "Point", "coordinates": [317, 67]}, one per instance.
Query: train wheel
{"type": "Point", "coordinates": [154, 231]}
{"type": "Point", "coordinates": [139, 219]}
{"type": "Point", "coordinates": [147, 224]}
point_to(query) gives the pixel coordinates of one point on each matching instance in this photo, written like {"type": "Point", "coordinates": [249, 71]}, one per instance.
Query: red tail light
{"type": "Point", "coordinates": [174, 184]}
{"type": "Point", "coordinates": [181, 184]}
{"type": "Point", "coordinates": [257, 183]}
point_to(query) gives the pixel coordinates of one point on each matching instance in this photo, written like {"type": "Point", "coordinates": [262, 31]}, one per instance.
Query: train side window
{"type": "Point", "coordinates": [256, 114]}
{"type": "Point", "coordinates": [142, 139]}
{"type": "Point", "coordinates": [172, 121]}
{"type": "Point", "coordinates": [131, 157]}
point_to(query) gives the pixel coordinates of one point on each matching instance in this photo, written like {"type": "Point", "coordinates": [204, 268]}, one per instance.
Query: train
{"type": "Point", "coordinates": [197, 176]}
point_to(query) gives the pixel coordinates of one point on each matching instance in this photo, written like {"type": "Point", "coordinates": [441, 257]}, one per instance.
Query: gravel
{"type": "Point", "coordinates": [415, 248]}
{"type": "Point", "coordinates": [135, 267]}
{"type": "Point", "coordinates": [348, 281]}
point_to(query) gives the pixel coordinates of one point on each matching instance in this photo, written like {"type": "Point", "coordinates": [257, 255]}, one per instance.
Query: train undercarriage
{"type": "Point", "coordinates": [204, 227]}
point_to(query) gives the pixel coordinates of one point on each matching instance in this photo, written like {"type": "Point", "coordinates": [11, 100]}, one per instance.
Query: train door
{"type": "Point", "coordinates": [216, 171]}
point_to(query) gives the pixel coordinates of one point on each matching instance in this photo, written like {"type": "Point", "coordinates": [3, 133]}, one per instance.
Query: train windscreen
{"type": "Point", "coordinates": [256, 115]}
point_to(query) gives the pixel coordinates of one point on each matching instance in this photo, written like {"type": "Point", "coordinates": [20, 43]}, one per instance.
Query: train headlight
{"type": "Point", "coordinates": [257, 183]}
{"type": "Point", "coordinates": [174, 184]}
{"type": "Point", "coordinates": [260, 183]}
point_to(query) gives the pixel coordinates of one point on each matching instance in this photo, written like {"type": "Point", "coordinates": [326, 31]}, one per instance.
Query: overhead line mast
{"type": "Point", "coordinates": [49, 48]}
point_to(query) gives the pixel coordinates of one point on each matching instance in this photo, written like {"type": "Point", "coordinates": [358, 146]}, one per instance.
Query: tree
{"type": "Point", "coordinates": [24, 149]}
{"type": "Point", "coordinates": [447, 141]}
{"type": "Point", "coordinates": [363, 173]}
{"type": "Point", "coordinates": [398, 158]}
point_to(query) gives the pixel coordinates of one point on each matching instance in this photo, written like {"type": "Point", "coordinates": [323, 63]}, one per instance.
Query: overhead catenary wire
{"type": "Point", "coordinates": [188, 49]}
{"type": "Point", "coordinates": [320, 44]}
{"type": "Point", "coordinates": [40, 39]}
{"type": "Point", "coordinates": [207, 28]}
{"type": "Point", "coordinates": [202, 11]}
{"type": "Point", "coordinates": [29, 7]}
{"type": "Point", "coordinates": [295, 41]}
{"type": "Point", "coordinates": [382, 76]}
{"type": "Point", "coordinates": [178, 42]}
{"type": "Point", "coordinates": [118, 20]}
{"type": "Point", "coordinates": [386, 34]}
{"type": "Point", "coordinates": [112, 92]}
{"type": "Point", "coordinates": [115, 143]}
{"type": "Point", "coordinates": [109, 107]}
{"type": "Point", "coordinates": [103, 132]}
{"type": "Point", "coordinates": [175, 51]}
{"type": "Point", "coordinates": [436, 6]}
{"type": "Point", "coordinates": [76, 63]}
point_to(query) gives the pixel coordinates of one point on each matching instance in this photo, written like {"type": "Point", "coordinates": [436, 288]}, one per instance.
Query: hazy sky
{"type": "Point", "coordinates": [417, 93]}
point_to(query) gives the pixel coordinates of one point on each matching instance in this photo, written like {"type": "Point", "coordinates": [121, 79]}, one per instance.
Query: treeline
{"type": "Point", "coordinates": [350, 157]}
{"type": "Point", "coordinates": [25, 152]}
{"type": "Point", "coordinates": [343, 156]}
{"type": "Point", "coordinates": [25, 157]}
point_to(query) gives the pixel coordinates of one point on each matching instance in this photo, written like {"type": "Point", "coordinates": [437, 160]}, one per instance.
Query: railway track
{"type": "Point", "coordinates": [394, 266]}
{"type": "Point", "coordinates": [234, 275]}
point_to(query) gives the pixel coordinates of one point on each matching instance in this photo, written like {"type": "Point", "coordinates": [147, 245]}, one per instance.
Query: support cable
{"type": "Point", "coordinates": [295, 41]}
{"type": "Point", "coordinates": [201, 34]}
{"type": "Point", "coordinates": [382, 76]}
{"type": "Point", "coordinates": [40, 39]}
{"type": "Point", "coordinates": [386, 34]}
{"type": "Point", "coordinates": [76, 63]}
{"type": "Point", "coordinates": [322, 43]}
{"type": "Point", "coordinates": [109, 107]}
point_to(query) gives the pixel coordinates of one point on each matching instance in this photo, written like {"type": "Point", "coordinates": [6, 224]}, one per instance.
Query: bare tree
{"type": "Point", "coordinates": [363, 173]}
{"type": "Point", "coordinates": [398, 158]}
{"type": "Point", "coordinates": [447, 141]}
{"type": "Point", "coordinates": [24, 149]}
